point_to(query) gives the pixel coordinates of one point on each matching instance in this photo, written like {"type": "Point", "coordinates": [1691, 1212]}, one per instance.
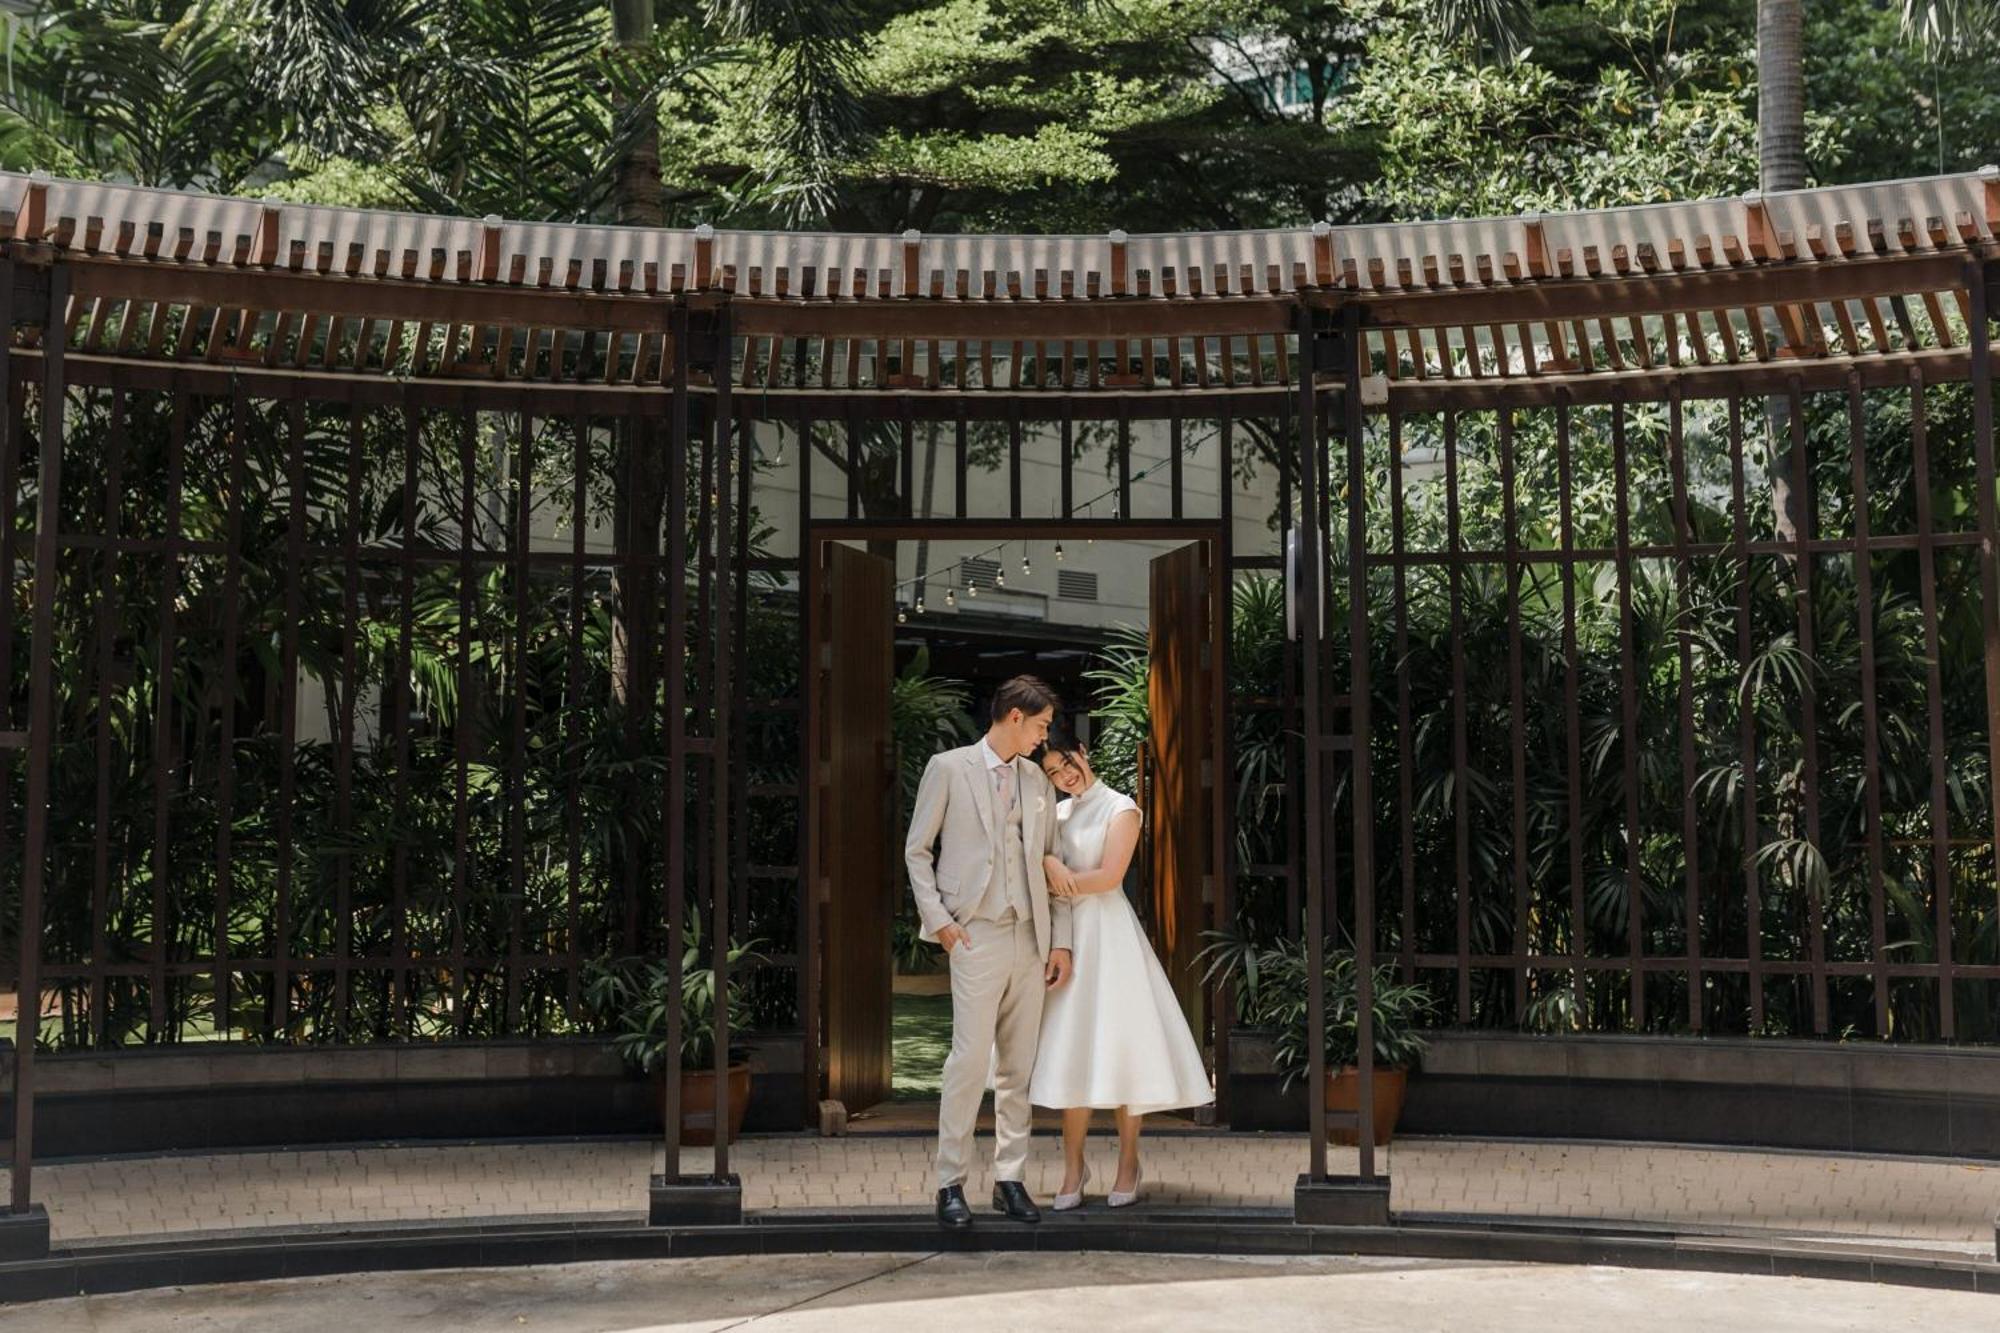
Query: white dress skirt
{"type": "Point", "coordinates": [1114, 1035]}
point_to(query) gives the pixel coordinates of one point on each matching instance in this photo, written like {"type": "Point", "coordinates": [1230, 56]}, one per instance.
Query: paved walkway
{"type": "Point", "coordinates": [969, 1293]}
{"type": "Point", "coordinates": [1933, 1202]}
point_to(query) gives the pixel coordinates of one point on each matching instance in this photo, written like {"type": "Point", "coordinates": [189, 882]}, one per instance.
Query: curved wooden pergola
{"type": "Point", "coordinates": [1844, 288]}
{"type": "Point", "coordinates": [1558, 302]}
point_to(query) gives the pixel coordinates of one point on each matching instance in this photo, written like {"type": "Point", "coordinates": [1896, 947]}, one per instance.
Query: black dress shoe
{"type": "Point", "coordinates": [1011, 1197]}
{"type": "Point", "coordinates": [952, 1210]}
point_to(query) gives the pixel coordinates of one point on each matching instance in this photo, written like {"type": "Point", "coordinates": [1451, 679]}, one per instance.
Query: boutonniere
{"type": "Point", "coordinates": [1041, 804]}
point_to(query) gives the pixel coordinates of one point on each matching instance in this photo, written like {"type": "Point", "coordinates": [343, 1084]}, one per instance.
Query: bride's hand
{"type": "Point", "coordinates": [1062, 883]}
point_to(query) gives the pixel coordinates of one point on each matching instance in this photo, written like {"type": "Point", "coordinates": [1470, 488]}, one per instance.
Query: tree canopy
{"type": "Point", "coordinates": [983, 114]}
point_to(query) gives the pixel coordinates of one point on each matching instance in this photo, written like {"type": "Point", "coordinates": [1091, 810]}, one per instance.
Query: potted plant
{"type": "Point", "coordinates": [1271, 991]}
{"type": "Point", "coordinates": [629, 996]}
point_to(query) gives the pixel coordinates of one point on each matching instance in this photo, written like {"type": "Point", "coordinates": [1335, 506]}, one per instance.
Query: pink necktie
{"type": "Point", "coordinates": [1006, 773]}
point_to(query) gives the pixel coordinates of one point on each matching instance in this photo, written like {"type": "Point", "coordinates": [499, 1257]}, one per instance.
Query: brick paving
{"type": "Point", "coordinates": [1935, 1202]}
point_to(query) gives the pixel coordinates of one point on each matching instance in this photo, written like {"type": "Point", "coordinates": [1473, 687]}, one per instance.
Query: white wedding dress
{"type": "Point", "coordinates": [1114, 1036]}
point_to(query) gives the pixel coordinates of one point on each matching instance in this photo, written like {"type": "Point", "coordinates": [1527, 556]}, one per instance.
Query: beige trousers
{"type": "Point", "coordinates": [996, 1011]}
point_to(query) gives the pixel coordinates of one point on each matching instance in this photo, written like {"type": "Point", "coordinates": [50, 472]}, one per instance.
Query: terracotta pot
{"type": "Point", "coordinates": [698, 1103]}
{"type": "Point", "coordinates": [1343, 1093]}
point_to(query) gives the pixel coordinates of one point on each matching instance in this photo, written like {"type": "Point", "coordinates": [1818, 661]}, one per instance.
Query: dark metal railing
{"type": "Point", "coordinates": [237, 529]}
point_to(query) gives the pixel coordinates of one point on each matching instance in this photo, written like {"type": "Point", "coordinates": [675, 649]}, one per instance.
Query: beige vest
{"type": "Point", "coordinates": [1007, 890]}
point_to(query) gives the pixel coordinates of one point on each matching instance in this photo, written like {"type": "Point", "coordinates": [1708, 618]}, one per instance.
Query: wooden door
{"type": "Point", "coordinates": [1177, 805]}
{"type": "Point", "coordinates": [856, 795]}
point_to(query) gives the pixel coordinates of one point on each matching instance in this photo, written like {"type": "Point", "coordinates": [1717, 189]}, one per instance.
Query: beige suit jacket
{"type": "Point", "coordinates": [955, 836]}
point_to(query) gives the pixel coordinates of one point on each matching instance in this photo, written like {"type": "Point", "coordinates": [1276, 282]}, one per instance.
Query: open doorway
{"type": "Point", "coordinates": [911, 632]}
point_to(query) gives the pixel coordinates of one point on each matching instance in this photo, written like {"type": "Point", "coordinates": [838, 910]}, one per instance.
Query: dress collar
{"type": "Point", "coordinates": [988, 757]}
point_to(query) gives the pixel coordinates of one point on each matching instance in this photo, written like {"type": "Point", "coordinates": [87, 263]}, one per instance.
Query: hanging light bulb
{"type": "Point", "coordinates": [950, 598]}
{"type": "Point", "coordinates": [971, 588]}
{"type": "Point", "coordinates": [1026, 568]}
{"type": "Point", "coordinates": [1059, 553]}
{"type": "Point", "coordinates": [999, 574]}
{"type": "Point", "coordinates": [920, 603]}
{"type": "Point", "coordinates": [902, 617]}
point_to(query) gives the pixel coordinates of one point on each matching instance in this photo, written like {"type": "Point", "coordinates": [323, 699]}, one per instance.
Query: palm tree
{"type": "Point", "coordinates": [1781, 95]}
{"type": "Point", "coordinates": [1951, 27]}
{"type": "Point", "coordinates": [155, 91]}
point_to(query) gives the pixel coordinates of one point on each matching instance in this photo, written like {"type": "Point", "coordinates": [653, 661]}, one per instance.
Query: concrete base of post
{"type": "Point", "coordinates": [1341, 1201]}
{"type": "Point", "coordinates": [24, 1235]}
{"type": "Point", "coordinates": [695, 1201]}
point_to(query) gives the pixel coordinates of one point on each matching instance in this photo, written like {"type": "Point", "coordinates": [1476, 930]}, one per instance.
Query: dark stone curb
{"type": "Point", "coordinates": [193, 1259]}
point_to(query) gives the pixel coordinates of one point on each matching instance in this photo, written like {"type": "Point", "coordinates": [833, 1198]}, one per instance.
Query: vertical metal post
{"type": "Point", "coordinates": [1517, 711]}
{"type": "Point", "coordinates": [1628, 717]}
{"type": "Point", "coordinates": [722, 740]}
{"type": "Point", "coordinates": [343, 755]}
{"type": "Point", "coordinates": [806, 938]}
{"type": "Point", "coordinates": [1359, 668]}
{"type": "Point", "coordinates": [288, 714]}
{"type": "Point", "coordinates": [571, 723]}
{"type": "Point", "coordinates": [1406, 798]}
{"type": "Point", "coordinates": [520, 539]}
{"type": "Point", "coordinates": [1684, 637]}
{"type": "Point", "coordinates": [1746, 718]}
{"type": "Point", "coordinates": [1579, 929]}
{"type": "Point", "coordinates": [41, 741]}
{"type": "Point", "coordinates": [1803, 560]}
{"type": "Point", "coordinates": [1927, 593]}
{"type": "Point", "coordinates": [1980, 339]}
{"type": "Point", "coordinates": [105, 650]}
{"type": "Point", "coordinates": [675, 669]}
{"type": "Point", "coordinates": [1871, 748]}
{"type": "Point", "coordinates": [1461, 761]}
{"type": "Point", "coordinates": [1306, 615]}
{"type": "Point", "coordinates": [225, 758]}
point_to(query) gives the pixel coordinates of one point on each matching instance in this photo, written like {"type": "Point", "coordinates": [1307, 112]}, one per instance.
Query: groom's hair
{"type": "Point", "coordinates": [1062, 740]}
{"type": "Point", "coordinates": [1030, 694]}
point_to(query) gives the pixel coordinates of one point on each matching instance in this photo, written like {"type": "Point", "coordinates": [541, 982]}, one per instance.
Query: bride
{"type": "Point", "coordinates": [1113, 1038]}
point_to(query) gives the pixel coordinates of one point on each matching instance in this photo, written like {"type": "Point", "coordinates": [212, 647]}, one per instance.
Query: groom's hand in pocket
{"type": "Point", "coordinates": [1058, 968]}
{"type": "Point", "coordinates": [951, 937]}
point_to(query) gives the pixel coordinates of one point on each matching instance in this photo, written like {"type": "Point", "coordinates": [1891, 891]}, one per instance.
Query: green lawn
{"type": "Point", "coordinates": [922, 1038]}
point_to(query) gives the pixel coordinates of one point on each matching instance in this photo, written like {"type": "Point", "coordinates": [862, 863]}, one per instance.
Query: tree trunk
{"type": "Point", "coordinates": [636, 194]}
{"type": "Point", "coordinates": [1781, 95]}
{"type": "Point", "coordinates": [1781, 165]}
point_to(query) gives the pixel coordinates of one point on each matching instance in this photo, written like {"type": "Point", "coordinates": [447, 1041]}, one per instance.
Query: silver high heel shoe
{"type": "Point", "coordinates": [1125, 1198]}
{"type": "Point", "coordinates": [1064, 1203]}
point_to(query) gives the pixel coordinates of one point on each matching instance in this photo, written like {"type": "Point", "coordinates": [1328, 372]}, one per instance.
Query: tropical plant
{"type": "Point", "coordinates": [161, 92]}
{"type": "Point", "coordinates": [912, 954]}
{"type": "Point", "coordinates": [927, 714]}
{"type": "Point", "coordinates": [1951, 27]}
{"type": "Point", "coordinates": [1122, 713]}
{"type": "Point", "coordinates": [630, 997]}
{"type": "Point", "coordinates": [1271, 982]}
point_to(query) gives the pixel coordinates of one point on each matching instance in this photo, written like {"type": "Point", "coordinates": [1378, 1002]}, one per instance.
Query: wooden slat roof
{"type": "Point", "coordinates": [1839, 271]}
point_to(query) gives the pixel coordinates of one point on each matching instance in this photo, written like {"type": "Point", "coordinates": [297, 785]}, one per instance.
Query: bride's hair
{"type": "Point", "coordinates": [1061, 740]}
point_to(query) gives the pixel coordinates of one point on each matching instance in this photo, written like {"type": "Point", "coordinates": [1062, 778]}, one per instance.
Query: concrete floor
{"type": "Point", "coordinates": [970, 1293]}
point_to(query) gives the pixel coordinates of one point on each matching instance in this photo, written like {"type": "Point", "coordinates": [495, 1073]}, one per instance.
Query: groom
{"type": "Point", "coordinates": [981, 895]}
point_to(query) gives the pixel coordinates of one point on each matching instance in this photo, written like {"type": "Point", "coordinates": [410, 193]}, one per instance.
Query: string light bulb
{"type": "Point", "coordinates": [1059, 553]}
{"type": "Point", "coordinates": [971, 588]}
{"type": "Point", "coordinates": [902, 616]}
{"type": "Point", "coordinates": [950, 598]}
{"type": "Point", "coordinates": [1026, 568]}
